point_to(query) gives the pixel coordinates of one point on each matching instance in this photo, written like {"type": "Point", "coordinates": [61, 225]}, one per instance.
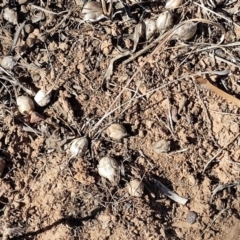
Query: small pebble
{"type": "Point", "coordinates": [191, 217]}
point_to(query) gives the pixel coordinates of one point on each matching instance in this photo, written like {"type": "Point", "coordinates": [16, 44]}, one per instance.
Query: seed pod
{"type": "Point", "coordinates": [116, 131]}
{"type": "Point", "coordinates": [186, 31]}
{"type": "Point", "coordinates": [8, 62]}
{"type": "Point", "coordinates": [149, 27]}
{"type": "Point", "coordinates": [164, 21]}
{"type": "Point", "coordinates": [135, 188]}
{"type": "Point", "coordinates": [109, 168]}
{"type": "Point", "coordinates": [42, 98]}
{"type": "Point", "coordinates": [171, 4]}
{"type": "Point", "coordinates": [79, 146]}
{"type": "Point", "coordinates": [10, 15]}
{"type": "Point", "coordinates": [92, 10]}
{"type": "Point", "coordinates": [162, 146]}
{"type": "Point", "coordinates": [25, 105]}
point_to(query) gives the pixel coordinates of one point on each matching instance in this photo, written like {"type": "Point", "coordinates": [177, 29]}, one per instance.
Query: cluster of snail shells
{"type": "Point", "coordinates": [108, 167]}
{"type": "Point", "coordinates": [26, 105]}
{"type": "Point", "coordinates": [165, 21]}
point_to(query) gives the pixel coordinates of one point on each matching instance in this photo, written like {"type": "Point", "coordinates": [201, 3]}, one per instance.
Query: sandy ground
{"type": "Point", "coordinates": [179, 132]}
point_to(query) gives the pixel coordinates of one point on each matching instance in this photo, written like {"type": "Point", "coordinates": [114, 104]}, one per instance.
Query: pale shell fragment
{"type": "Point", "coordinates": [162, 146]}
{"type": "Point", "coordinates": [109, 168]}
{"type": "Point", "coordinates": [150, 28]}
{"type": "Point", "coordinates": [135, 188]}
{"type": "Point", "coordinates": [171, 4]}
{"type": "Point", "coordinates": [164, 21]}
{"type": "Point", "coordinates": [79, 146]}
{"type": "Point", "coordinates": [25, 105]}
{"type": "Point", "coordinates": [8, 62]}
{"type": "Point", "coordinates": [186, 31]}
{"type": "Point", "coordinates": [42, 98]}
{"type": "Point", "coordinates": [116, 131]}
{"type": "Point", "coordinates": [92, 10]}
{"type": "Point", "coordinates": [10, 15]}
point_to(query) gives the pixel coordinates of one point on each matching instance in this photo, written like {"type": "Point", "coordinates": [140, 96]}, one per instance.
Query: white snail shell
{"type": "Point", "coordinates": [186, 31]}
{"type": "Point", "coordinates": [8, 62]}
{"type": "Point", "coordinates": [164, 21]}
{"type": "Point", "coordinates": [171, 4]}
{"type": "Point", "coordinates": [42, 98]}
{"type": "Point", "coordinates": [79, 146]}
{"type": "Point", "coordinates": [109, 168]}
{"type": "Point", "coordinates": [25, 105]}
{"type": "Point", "coordinates": [149, 27]}
{"type": "Point", "coordinates": [92, 10]}
{"type": "Point", "coordinates": [116, 131]}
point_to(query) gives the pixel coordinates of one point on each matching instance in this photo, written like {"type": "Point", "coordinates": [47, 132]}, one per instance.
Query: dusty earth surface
{"type": "Point", "coordinates": [47, 194]}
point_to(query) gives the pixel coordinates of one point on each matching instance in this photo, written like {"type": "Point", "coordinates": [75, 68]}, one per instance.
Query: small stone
{"type": "Point", "coordinates": [191, 217]}
{"type": "Point", "coordinates": [162, 146]}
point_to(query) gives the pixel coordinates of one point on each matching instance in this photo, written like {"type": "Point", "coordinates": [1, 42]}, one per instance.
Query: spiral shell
{"type": "Point", "coordinates": [186, 31]}
{"type": "Point", "coordinates": [92, 10]}
{"type": "Point", "coordinates": [164, 21]}
{"type": "Point", "coordinates": [109, 168]}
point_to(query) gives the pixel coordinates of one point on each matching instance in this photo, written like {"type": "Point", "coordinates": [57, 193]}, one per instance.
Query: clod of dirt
{"type": "Point", "coordinates": [116, 131]}
{"type": "Point", "coordinates": [2, 166]}
{"type": "Point", "coordinates": [8, 62]}
{"type": "Point", "coordinates": [92, 11]}
{"type": "Point", "coordinates": [186, 31]}
{"type": "Point", "coordinates": [109, 168]}
{"type": "Point", "coordinates": [191, 217]}
{"type": "Point", "coordinates": [135, 188]}
{"type": "Point", "coordinates": [42, 98]}
{"type": "Point", "coordinates": [162, 146]}
{"type": "Point", "coordinates": [25, 105]}
{"type": "Point", "coordinates": [164, 21]}
{"type": "Point", "coordinates": [79, 146]}
{"type": "Point", "coordinates": [10, 15]}
{"type": "Point", "coordinates": [171, 4]}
